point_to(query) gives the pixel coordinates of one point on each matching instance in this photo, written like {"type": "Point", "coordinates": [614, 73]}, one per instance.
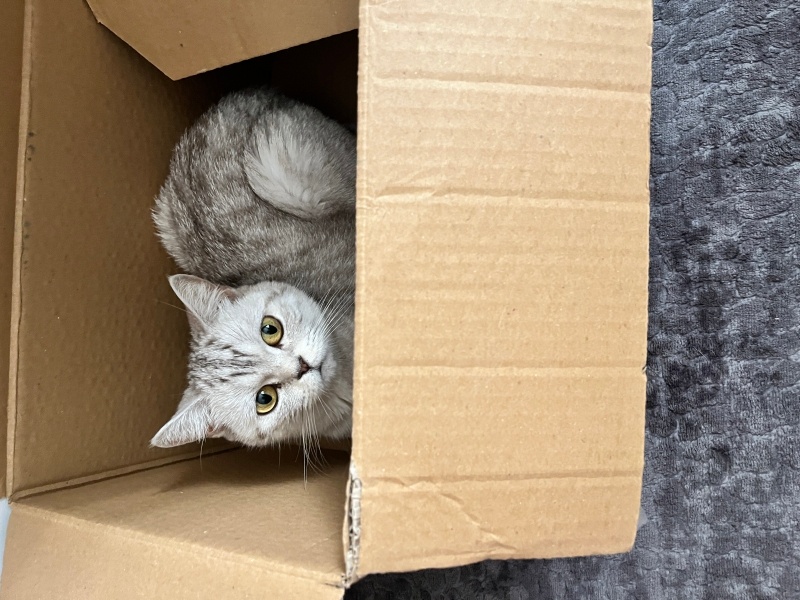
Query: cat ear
{"type": "Point", "coordinates": [189, 424]}
{"type": "Point", "coordinates": [201, 298]}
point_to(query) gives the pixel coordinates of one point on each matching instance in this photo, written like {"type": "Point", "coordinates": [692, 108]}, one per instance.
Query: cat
{"type": "Point", "coordinates": [258, 211]}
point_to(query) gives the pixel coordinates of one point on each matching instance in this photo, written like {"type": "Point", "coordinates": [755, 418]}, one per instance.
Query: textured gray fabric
{"type": "Point", "coordinates": [721, 484]}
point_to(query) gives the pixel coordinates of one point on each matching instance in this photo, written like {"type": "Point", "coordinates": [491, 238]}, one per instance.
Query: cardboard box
{"type": "Point", "coordinates": [501, 295]}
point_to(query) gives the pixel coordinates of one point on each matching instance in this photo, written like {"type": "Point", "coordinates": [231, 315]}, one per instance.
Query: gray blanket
{"type": "Point", "coordinates": [722, 475]}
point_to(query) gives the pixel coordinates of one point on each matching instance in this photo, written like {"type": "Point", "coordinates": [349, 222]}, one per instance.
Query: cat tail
{"type": "Point", "coordinates": [307, 171]}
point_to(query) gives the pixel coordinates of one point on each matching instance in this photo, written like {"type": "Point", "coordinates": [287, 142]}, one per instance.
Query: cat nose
{"type": "Point", "coordinates": [304, 368]}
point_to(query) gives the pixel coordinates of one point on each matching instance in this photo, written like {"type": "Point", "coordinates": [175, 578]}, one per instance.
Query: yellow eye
{"type": "Point", "coordinates": [271, 331]}
{"type": "Point", "coordinates": [266, 400]}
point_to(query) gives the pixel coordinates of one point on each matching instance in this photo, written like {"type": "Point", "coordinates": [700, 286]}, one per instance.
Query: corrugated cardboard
{"type": "Point", "coordinates": [185, 532]}
{"type": "Point", "coordinates": [502, 279]}
{"type": "Point", "coordinates": [186, 38]}
{"type": "Point", "coordinates": [11, 13]}
{"type": "Point", "coordinates": [96, 339]}
{"type": "Point", "coordinates": [501, 302]}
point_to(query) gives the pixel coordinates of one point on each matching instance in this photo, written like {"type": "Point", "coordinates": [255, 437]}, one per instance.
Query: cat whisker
{"type": "Point", "coordinates": [323, 463]}
{"type": "Point", "coordinates": [343, 308]}
{"type": "Point", "coordinates": [325, 408]}
{"type": "Point", "coordinates": [325, 309]}
{"type": "Point", "coordinates": [338, 321]}
{"type": "Point", "coordinates": [323, 304]}
{"type": "Point", "coordinates": [299, 450]}
{"type": "Point", "coordinates": [305, 449]}
{"type": "Point", "coordinates": [332, 318]}
{"type": "Point", "coordinates": [180, 308]}
{"type": "Point", "coordinates": [312, 451]}
{"type": "Point", "coordinates": [333, 302]}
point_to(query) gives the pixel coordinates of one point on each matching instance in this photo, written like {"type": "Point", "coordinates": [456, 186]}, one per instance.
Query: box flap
{"type": "Point", "coordinates": [11, 18]}
{"type": "Point", "coordinates": [502, 280]}
{"type": "Point", "coordinates": [97, 337]}
{"type": "Point", "coordinates": [177, 532]}
{"type": "Point", "coordinates": [185, 38]}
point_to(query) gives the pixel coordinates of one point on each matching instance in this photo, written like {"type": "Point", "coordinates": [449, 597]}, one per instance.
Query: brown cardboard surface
{"type": "Point", "coordinates": [11, 19]}
{"type": "Point", "coordinates": [185, 38]}
{"type": "Point", "coordinates": [502, 279]}
{"type": "Point", "coordinates": [98, 349]}
{"type": "Point", "coordinates": [216, 529]}
{"type": "Point", "coordinates": [501, 309]}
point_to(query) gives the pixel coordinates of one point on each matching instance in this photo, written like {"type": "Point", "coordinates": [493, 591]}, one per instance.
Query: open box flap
{"type": "Point", "coordinates": [11, 18]}
{"type": "Point", "coordinates": [216, 527]}
{"type": "Point", "coordinates": [184, 38]}
{"type": "Point", "coordinates": [97, 337]}
{"type": "Point", "coordinates": [502, 280]}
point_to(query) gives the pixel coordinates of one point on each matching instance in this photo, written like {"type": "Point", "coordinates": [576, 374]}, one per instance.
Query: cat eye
{"type": "Point", "coordinates": [271, 331]}
{"type": "Point", "coordinates": [266, 399]}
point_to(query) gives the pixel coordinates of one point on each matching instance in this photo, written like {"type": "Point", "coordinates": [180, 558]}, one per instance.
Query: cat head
{"type": "Point", "coordinates": [267, 364]}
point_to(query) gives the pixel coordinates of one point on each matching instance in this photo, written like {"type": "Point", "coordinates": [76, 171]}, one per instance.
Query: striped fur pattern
{"type": "Point", "coordinates": [258, 210]}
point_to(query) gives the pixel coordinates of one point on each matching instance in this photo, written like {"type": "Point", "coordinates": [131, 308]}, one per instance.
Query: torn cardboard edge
{"type": "Point", "coordinates": [352, 530]}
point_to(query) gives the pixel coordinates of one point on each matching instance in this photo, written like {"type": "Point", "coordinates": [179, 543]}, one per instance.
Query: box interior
{"type": "Point", "coordinates": [98, 341]}
{"type": "Point", "coordinates": [234, 509]}
{"type": "Point", "coordinates": [501, 305]}
{"type": "Point", "coordinates": [101, 340]}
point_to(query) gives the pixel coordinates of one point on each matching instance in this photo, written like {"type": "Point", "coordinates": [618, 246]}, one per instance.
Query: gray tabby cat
{"type": "Point", "coordinates": [259, 210]}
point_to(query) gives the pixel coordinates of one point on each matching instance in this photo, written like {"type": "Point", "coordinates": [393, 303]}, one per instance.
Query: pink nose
{"type": "Point", "coordinates": [304, 368]}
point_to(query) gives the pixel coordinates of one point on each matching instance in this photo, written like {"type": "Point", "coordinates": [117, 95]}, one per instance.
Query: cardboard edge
{"type": "Point", "coordinates": [195, 454]}
{"type": "Point", "coordinates": [65, 527]}
{"type": "Point", "coordinates": [362, 119]}
{"type": "Point", "coordinates": [176, 74]}
{"type": "Point", "coordinates": [352, 520]}
{"type": "Point", "coordinates": [352, 526]}
{"type": "Point", "coordinates": [102, 19]}
{"type": "Point", "coordinates": [16, 274]}
{"type": "Point", "coordinates": [641, 517]}
{"type": "Point", "coordinates": [105, 475]}
{"type": "Point", "coordinates": [12, 15]}
{"type": "Point", "coordinates": [97, 10]}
